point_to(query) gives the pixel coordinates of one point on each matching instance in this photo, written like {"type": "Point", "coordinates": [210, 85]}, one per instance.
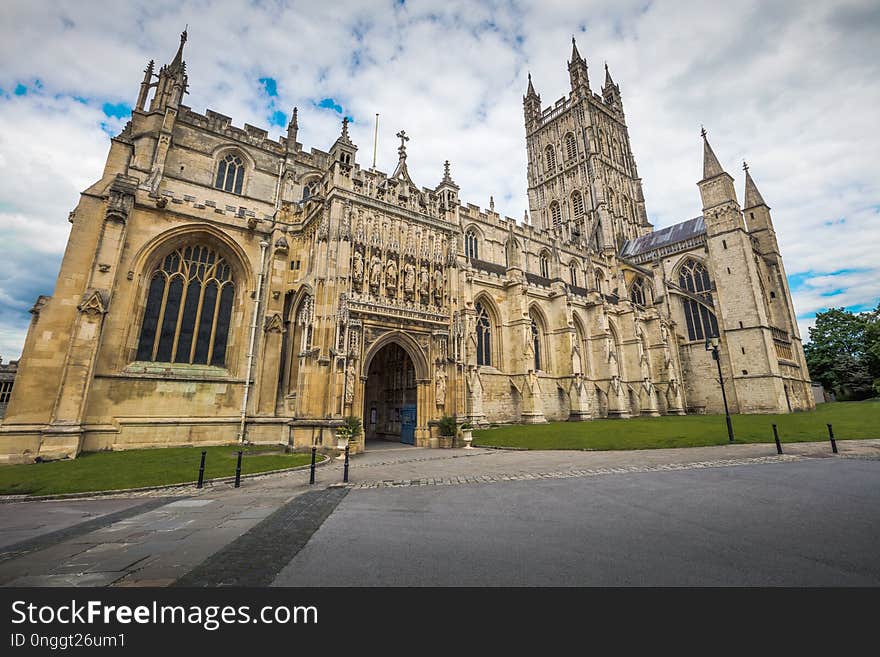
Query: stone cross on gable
{"type": "Point", "coordinates": [403, 139]}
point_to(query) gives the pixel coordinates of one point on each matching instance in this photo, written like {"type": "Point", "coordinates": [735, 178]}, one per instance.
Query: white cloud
{"type": "Point", "coordinates": [792, 87]}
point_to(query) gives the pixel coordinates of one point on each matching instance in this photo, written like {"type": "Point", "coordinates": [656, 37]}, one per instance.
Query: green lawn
{"type": "Point", "coordinates": [141, 467]}
{"type": "Point", "coordinates": [850, 420]}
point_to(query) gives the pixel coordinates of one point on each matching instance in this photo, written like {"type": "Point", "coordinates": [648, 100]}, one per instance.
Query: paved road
{"type": "Point", "coordinates": [806, 523]}
{"type": "Point", "coordinates": [477, 516]}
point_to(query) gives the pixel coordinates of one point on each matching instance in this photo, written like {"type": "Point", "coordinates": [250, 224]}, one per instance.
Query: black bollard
{"type": "Point", "coordinates": [345, 469]}
{"type": "Point", "coordinates": [776, 438]}
{"type": "Point", "coordinates": [238, 471]}
{"type": "Point", "coordinates": [202, 470]}
{"type": "Point", "coordinates": [833, 442]}
{"type": "Point", "coordinates": [312, 469]}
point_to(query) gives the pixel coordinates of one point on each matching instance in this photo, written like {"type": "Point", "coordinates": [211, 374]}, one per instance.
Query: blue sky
{"type": "Point", "coordinates": [791, 87]}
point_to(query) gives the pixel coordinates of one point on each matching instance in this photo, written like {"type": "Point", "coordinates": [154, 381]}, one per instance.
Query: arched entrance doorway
{"type": "Point", "coordinates": [390, 396]}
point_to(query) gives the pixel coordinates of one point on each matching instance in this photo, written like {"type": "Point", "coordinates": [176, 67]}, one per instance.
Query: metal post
{"type": "Point", "coordinates": [202, 470]}
{"type": "Point", "coordinates": [345, 469]}
{"type": "Point", "coordinates": [833, 442]}
{"type": "Point", "coordinates": [238, 471]}
{"type": "Point", "coordinates": [776, 438]}
{"type": "Point", "coordinates": [723, 394]}
{"type": "Point", "coordinates": [312, 469]}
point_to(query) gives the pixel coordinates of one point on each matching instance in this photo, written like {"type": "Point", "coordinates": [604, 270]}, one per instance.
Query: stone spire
{"type": "Point", "coordinates": [447, 177]}
{"type": "Point", "coordinates": [344, 136]}
{"type": "Point", "coordinates": [575, 55]}
{"type": "Point", "coordinates": [608, 81]}
{"type": "Point", "coordinates": [178, 62]}
{"type": "Point", "coordinates": [530, 92]}
{"type": "Point", "coordinates": [711, 166]}
{"type": "Point", "coordinates": [577, 70]}
{"type": "Point", "coordinates": [292, 129]}
{"type": "Point", "coordinates": [753, 197]}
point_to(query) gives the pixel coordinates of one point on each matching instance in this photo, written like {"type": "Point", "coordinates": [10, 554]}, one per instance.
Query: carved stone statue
{"type": "Point", "coordinates": [424, 282]}
{"type": "Point", "coordinates": [358, 267]}
{"type": "Point", "coordinates": [350, 375]}
{"type": "Point", "coordinates": [438, 286]}
{"type": "Point", "coordinates": [375, 273]}
{"type": "Point", "coordinates": [391, 275]}
{"type": "Point", "coordinates": [440, 386]}
{"type": "Point", "coordinates": [409, 280]}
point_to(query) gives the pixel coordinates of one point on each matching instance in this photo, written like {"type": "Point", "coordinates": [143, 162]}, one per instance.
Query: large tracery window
{"type": "Point", "coordinates": [189, 306]}
{"type": "Point", "coordinates": [484, 335]}
{"type": "Point", "coordinates": [230, 174]}
{"type": "Point", "coordinates": [701, 322]}
{"type": "Point", "coordinates": [471, 249]}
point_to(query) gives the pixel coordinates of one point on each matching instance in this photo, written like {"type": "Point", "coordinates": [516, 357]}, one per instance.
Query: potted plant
{"type": "Point", "coordinates": [467, 434]}
{"type": "Point", "coordinates": [350, 430]}
{"type": "Point", "coordinates": [448, 428]}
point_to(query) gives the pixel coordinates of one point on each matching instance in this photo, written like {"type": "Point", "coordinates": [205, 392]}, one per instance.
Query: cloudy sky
{"type": "Point", "coordinates": [792, 87]}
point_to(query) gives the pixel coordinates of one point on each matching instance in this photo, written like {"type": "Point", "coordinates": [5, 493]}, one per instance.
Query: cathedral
{"type": "Point", "coordinates": [222, 285]}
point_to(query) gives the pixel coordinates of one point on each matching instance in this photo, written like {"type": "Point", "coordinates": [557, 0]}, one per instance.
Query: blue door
{"type": "Point", "coordinates": [408, 424]}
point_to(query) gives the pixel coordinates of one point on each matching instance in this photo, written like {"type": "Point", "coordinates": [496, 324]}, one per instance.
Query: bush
{"type": "Point", "coordinates": [448, 426]}
{"type": "Point", "coordinates": [350, 429]}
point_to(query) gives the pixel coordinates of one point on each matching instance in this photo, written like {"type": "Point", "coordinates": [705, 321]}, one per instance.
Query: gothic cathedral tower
{"type": "Point", "coordinates": [583, 182]}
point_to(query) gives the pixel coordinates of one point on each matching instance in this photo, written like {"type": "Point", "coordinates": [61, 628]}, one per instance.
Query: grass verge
{"type": "Point", "coordinates": [99, 471]}
{"type": "Point", "coordinates": [850, 420]}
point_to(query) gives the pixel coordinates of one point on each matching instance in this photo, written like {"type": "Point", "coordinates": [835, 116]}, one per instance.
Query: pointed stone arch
{"type": "Point", "coordinates": [408, 344]}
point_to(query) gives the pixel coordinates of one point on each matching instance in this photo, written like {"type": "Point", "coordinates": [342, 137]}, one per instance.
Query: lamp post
{"type": "Point", "coordinates": [712, 345]}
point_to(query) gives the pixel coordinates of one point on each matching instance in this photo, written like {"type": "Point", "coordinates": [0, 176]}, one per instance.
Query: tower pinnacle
{"type": "Point", "coordinates": [752, 196]}
{"type": "Point", "coordinates": [711, 166]}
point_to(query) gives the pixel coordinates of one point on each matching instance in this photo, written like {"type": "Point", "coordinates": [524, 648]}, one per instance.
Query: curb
{"type": "Point", "coordinates": [7, 499]}
{"type": "Point", "coordinates": [499, 447]}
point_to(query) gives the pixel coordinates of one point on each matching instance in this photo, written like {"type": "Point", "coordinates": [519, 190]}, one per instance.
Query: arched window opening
{"type": "Point", "coordinates": [555, 215]}
{"type": "Point", "coordinates": [570, 146]}
{"type": "Point", "coordinates": [577, 205]}
{"type": "Point", "coordinates": [573, 272]}
{"type": "Point", "coordinates": [551, 158]}
{"type": "Point", "coordinates": [637, 292]}
{"type": "Point", "coordinates": [471, 247]}
{"type": "Point", "coordinates": [189, 307]}
{"type": "Point", "coordinates": [484, 335]}
{"type": "Point", "coordinates": [545, 264]}
{"type": "Point", "coordinates": [230, 174]}
{"type": "Point", "coordinates": [598, 281]}
{"type": "Point", "coordinates": [701, 322]}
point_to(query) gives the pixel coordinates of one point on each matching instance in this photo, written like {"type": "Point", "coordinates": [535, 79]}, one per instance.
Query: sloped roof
{"type": "Point", "coordinates": [665, 236]}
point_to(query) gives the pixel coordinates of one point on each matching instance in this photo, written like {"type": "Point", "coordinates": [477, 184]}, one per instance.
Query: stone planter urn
{"type": "Point", "coordinates": [446, 442]}
{"type": "Point", "coordinates": [467, 435]}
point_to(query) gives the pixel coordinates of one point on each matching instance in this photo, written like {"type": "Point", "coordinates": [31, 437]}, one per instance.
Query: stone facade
{"type": "Point", "coordinates": [222, 285]}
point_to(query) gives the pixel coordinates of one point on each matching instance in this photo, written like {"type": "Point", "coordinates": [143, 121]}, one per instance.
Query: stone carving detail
{"type": "Point", "coordinates": [424, 284]}
{"type": "Point", "coordinates": [440, 386]}
{"type": "Point", "coordinates": [92, 303]}
{"type": "Point", "coordinates": [375, 273]}
{"type": "Point", "coordinates": [357, 272]}
{"type": "Point", "coordinates": [409, 280]}
{"type": "Point", "coordinates": [350, 379]}
{"type": "Point", "coordinates": [273, 324]}
{"type": "Point", "coordinates": [391, 276]}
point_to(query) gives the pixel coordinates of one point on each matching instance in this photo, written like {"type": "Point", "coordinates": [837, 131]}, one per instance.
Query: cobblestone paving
{"type": "Point", "coordinates": [566, 474]}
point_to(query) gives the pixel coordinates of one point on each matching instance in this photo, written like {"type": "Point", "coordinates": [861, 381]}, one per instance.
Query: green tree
{"type": "Point", "coordinates": [843, 350]}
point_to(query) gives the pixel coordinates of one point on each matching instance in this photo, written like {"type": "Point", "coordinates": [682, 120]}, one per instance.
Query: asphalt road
{"type": "Point", "coordinates": [807, 523]}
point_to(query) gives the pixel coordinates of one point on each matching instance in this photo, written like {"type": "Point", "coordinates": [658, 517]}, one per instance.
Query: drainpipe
{"type": "Point", "coordinates": [250, 357]}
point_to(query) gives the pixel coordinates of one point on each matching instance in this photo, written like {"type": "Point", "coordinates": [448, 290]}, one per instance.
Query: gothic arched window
{"type": "Point", "coordinates": [555, 215]}
{"type": "Point", "coordinates": [577, 205]}
{"type": "Point", "coordinates": [598, 280]}
{"type": "Point", "coordinates": [189, 307]}
{"type": "Point", "coordinates": [551, 158]}
{"type": "Point", "coordinates": [701, 322]}
{"type": "Point", "coordinates": [637, 292]}
{"type": "Point", "coordinates": [484, 335]}
{"type": "Point", "coordinates": [230, 174]}
{"type": "Point", "coordinates": [471, 249]}
{"type": "Point", "coordinates": [573, 272]}
{"type": "Point", "coordinates": [571, 150]}
{"type": "Point", "coordinates": [544, 261]}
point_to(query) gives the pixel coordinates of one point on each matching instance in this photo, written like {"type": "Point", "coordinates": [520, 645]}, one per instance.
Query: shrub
{"type": "Point", "coordinates": [448, 426]}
